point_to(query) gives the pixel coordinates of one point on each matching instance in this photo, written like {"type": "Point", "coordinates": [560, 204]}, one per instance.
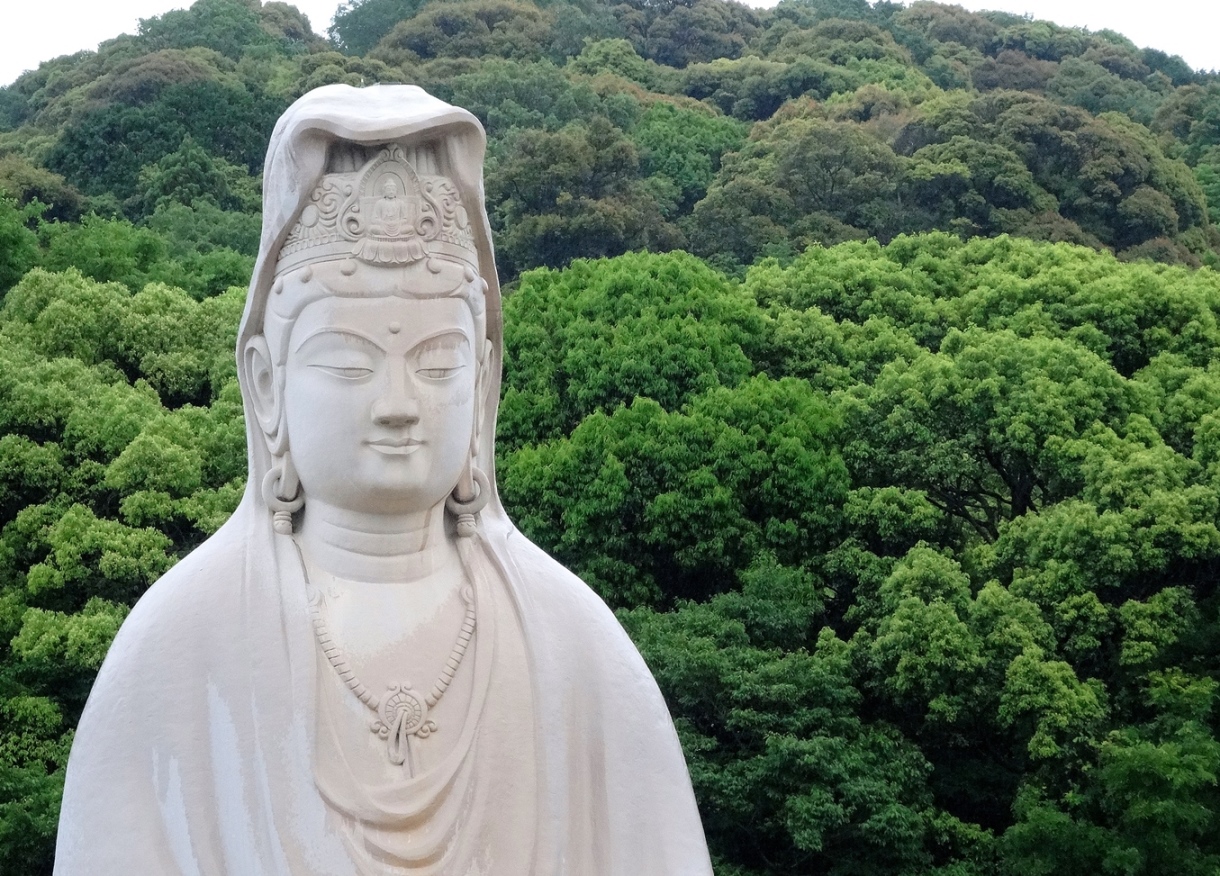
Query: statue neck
{"type": "Point", "coordinates": [375, 547]}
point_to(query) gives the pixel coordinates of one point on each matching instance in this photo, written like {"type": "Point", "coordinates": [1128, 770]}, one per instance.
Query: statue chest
{"type": "Point", "coordinates": [394, 683]}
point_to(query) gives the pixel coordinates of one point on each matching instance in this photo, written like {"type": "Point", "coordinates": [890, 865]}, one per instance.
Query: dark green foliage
{"type": "Point", "coordinates": [508, 95]}
{"type": "Point", "coordinates": [204, 228]}
{"type": "Point", "coordinates": [190, 176]}
{"type": "Point", "coordinates": [1014, 126]}
{"type": "Point", "coordinates": [468, 29]}
{"type": "Point", "coordinates": [18, 245]}
{"type": "Point", "coordinates": [694, 31]}
{"type": "Point", "coordinates": [27, 183]}
{"type": "Point", "coordinates": [677, 505]}
{"type": "Point", "coordinates": [800, 180]}
{"type": "Point", "coordinates": [941, 660]}
{"type": "Point", "coordinates": [576, 193]}
{"type": "Point", "coordinates": [106, 149]}
{"type": "Point", "coordinates": [360, 24]}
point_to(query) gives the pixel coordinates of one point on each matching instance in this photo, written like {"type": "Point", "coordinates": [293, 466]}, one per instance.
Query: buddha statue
{"type": "Point", "coordinates": [368, 669]}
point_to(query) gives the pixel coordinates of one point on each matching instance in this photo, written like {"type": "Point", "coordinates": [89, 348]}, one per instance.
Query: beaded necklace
{"type": "Point", "coordinates": [401, 715]}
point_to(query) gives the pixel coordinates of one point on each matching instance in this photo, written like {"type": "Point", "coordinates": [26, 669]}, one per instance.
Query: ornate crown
{"type": "Point", "coordinates": [383, 214]}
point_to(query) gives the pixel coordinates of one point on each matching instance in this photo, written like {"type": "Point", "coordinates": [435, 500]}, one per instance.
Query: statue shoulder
{"type": "Point", "coordinates": [182, 611]}
{"type": "Point", "coordinates": [573, 615]}
{"type": "Point", "coordinates": [550, 582]}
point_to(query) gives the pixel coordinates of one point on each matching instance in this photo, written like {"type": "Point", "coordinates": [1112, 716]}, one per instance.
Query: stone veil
{"type": "Point", "coordinates": [203, 746]}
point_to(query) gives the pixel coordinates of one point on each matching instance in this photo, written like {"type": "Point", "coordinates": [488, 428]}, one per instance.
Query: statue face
{"type": "Point", "coordinates": [379, 400]}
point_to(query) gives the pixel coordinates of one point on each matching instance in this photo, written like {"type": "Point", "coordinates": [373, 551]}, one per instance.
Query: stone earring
{"type": "Point", "coordinates": [465, 509]}
{"type": "Point", "coordinates": [282, 493]}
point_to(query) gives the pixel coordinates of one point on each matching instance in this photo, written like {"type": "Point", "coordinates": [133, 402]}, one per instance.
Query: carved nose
{"type": "Point", "coordinates": [396, 410]}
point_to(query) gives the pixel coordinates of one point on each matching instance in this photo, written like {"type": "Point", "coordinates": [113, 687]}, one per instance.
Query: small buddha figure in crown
{"type": "Point", "coordinates": [368, 669]}
{"type": "Point", "coordinates": [391, 215]}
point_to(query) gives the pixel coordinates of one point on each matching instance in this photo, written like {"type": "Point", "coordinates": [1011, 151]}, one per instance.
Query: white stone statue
{"type": "Point", "coordinates": [368, 669]}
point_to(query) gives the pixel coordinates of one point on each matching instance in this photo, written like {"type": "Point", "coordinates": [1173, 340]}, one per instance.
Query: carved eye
{"type": "Point", "coordinates": [347, 372]}
{"type": "Point", "coordinates": [441, 358]}
{"type": "Point", "coordinates": [437, 373]}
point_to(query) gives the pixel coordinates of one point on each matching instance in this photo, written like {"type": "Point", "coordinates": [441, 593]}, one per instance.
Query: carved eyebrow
{"type": "Point", "coordinates": [331, 330]}
{"type": "Point", "coordinates": [457, 335]}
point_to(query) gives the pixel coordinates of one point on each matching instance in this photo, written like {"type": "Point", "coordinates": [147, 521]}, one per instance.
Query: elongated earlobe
{"type": "Point", "coordinates": [465, 508]}
{"type": "Point", "coordinates": [282, 493]}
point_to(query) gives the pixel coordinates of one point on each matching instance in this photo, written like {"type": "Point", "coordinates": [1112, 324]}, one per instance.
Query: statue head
{"type": "Point", "coordinates": [370, 344]}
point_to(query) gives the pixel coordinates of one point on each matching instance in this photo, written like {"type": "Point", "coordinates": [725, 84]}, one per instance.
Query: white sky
{"type": "Point", "coordinates": [38, 30]}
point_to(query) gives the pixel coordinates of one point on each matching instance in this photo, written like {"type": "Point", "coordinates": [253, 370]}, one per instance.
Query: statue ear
{"type": "Point", "coordinates": [264, 389]}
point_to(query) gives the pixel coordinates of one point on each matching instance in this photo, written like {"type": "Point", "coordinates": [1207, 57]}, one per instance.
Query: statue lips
{"type": "Point", "coordinates": [395, 446]}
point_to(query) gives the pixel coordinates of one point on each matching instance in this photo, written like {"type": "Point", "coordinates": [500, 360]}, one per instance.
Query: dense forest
{"type": "Point", "coordinates": [863, 357]}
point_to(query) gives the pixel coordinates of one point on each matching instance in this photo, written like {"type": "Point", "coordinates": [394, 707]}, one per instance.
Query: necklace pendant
{"type": "Point", "coordinates": [404, 714]}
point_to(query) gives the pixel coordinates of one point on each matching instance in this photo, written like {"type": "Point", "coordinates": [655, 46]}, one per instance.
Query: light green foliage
{"type": "Point", "coordinates": [619, 57]}
{"type": "Point", "coordinates": [114, 250]}
{"type": "Point", "coordinates": [18, 245]}
{"type": "Point", "coordinates": [923, 643]}
{"type": "Point", "coordinates": [685, 147]}
{"type": "Point", "coordinates": [78, 641]}
{"type": "Point", "coordinates": [107, 474]}
{"type": "Point", "coordinates": [602, 333]}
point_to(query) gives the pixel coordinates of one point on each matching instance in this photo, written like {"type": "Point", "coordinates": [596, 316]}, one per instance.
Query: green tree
{"type": "Point", "coordinates": [359, 25]}
{"type": "Point", "coordinates": [190, 176]}
{"type": "Point", "coordinates": [798, 181]}
{"type": "Point", "coordinates": [599, 334]}
{"type": "Point", "coordinates": [575, 193]}
{"type": "Point", "coordinates": [685, 147]}
{"type": "Point", "coordinates": [468, 29]}
{"type": "Point", "coordinates": [18, 245]}
{"type": "Point", "coordinates": [229, 27]}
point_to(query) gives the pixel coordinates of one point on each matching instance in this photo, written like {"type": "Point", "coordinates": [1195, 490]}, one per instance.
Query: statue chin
{"type": "Point", "coordinates": [368, 669]}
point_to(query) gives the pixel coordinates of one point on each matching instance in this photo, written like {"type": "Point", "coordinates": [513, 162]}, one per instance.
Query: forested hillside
{"type": "Point", "coordinates": [863, 357]}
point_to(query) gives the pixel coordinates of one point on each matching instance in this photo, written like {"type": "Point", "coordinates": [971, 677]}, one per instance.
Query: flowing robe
{"type": "Point", "coordinates": [197, 752]}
